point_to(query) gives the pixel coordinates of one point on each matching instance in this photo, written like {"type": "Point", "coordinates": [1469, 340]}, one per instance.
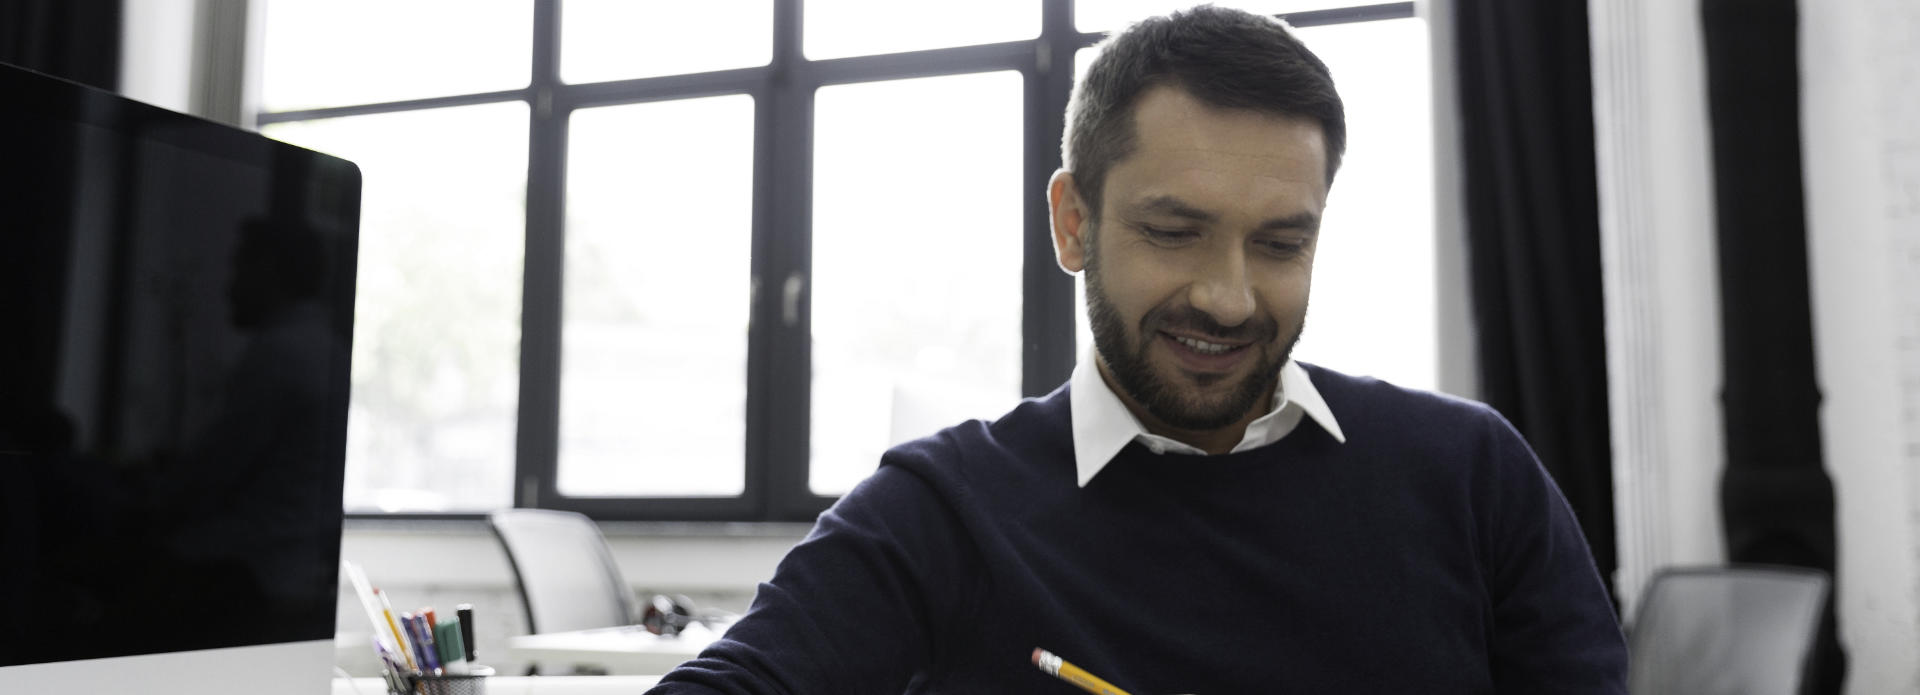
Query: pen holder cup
{"type": "Point", "coordinates": [474, 683]}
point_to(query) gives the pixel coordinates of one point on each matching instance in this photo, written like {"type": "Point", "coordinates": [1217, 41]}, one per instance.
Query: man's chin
{"type": "Point", "coordinates": [1195, 417]}
{"type": "Point", "coordinates": [1187, 404]}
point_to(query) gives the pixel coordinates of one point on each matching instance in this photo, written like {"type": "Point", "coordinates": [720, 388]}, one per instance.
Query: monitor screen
{"type": "Point", "coordinates": [176, 310]}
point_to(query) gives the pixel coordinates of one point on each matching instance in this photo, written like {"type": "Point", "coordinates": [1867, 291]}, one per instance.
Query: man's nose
{"type": "Point", "coordinates": [1224, 289]}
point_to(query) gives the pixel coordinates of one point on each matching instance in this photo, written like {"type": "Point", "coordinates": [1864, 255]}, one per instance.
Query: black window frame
{"type": "Point", "coordinates": [778, 354]}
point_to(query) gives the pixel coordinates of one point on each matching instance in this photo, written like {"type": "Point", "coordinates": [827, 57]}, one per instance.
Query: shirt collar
{"type": "Point", "coordinates": [1102, 425]}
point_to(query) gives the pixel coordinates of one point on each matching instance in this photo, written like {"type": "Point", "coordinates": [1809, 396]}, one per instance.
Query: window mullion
{"type": "Point", "coordinates": [784, 306]}
{"type": "Point", "coordinates": [1047, 340]}
{"type": "Point", "coordinates": [537, 440]}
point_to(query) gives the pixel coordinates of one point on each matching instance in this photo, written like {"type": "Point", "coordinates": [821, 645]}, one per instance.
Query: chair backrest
{"type": "Point", "coordinates": [1726, 631]}
{"type": "Point", "coordinates": [567, 577]}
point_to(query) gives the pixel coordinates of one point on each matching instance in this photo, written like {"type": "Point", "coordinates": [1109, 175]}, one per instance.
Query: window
{"type": "Point", "coordinates": [842, 28]}
{"type": "Point", "coordinates": [691, 260]}
{"type": "Point", "coordinates": [916, 319]}
{"type": "Point", "coordinates": [653, 366]}
{"type": "Point", "coordinates": [436, 311]}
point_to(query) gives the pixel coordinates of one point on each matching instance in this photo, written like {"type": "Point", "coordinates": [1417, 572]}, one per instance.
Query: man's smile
{"type": "Point", "coordinates": [1206, 354]}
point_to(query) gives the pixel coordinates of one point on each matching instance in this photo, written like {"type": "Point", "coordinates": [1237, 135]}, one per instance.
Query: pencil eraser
{"type": "Point", "coordinates": [1036, 655]}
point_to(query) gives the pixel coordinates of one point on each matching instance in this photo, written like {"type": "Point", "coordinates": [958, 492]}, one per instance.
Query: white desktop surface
{"type": "Point", "coordinates": [629, 650]}
{"type": "Point", "coordinates": [276, 668]}
{"type": "Point", "coordinates": [522, 685]}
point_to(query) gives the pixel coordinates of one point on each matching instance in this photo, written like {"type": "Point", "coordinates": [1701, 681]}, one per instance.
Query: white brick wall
{"type": "Point", "coordinates": [1895, 50]}
{"type": "Point", "coordinates": [1860, 83]}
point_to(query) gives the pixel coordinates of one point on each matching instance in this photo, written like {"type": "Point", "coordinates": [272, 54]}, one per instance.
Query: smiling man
{"type": "Point", "coordinates": [1214, 212]}
{"type": "Point", "coordinates": [1194, 511]}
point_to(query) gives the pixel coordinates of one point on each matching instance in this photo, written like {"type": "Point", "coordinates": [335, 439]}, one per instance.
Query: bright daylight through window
{"type": "Point", "coordinates": [772, 256]}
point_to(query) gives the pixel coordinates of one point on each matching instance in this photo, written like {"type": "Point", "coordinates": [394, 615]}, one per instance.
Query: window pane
{"type": "Point", "coordinates": [1111, 15]}
{"type": "Point", "coordinates": [620, 39]}
{"type": "Point", "coordinates": [916, 264]}
{"type": "Point", "coordinates": [437, 318]}
{"type": "Point", "coordinates": [653, 385]}
{"type": "Point", "coordinates": [841, 28]}
{"type": "Point", "coordinates": [1374, 299]}
{"type": "Point", "coordinates": [321, 53]}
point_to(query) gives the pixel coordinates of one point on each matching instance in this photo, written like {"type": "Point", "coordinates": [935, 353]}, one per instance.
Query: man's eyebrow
{"type": "Point", "coordinates": [1302, 221]}
{"type": "Point", "coordinates": [1173, 205]}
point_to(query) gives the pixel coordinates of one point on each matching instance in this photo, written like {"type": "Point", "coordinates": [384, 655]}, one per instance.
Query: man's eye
{"type": "Point", "coordinates": [1284, 248]}
{"type": "Point", "coordinates": [1168, 236]}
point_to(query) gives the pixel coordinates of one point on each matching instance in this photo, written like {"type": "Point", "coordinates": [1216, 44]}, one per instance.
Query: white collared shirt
{"type": "Point", "coordinates": [1102, 425]}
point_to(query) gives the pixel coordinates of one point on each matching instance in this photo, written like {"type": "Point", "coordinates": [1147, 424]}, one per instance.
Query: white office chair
{"type": "Point", "coordinates": [567, 577]}
{"type": "Point", "coordinates": [1726, 631]}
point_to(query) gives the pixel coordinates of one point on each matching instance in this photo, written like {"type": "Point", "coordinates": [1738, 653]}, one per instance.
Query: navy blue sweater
{"type": "Point", "coordinates": [1430, 553]}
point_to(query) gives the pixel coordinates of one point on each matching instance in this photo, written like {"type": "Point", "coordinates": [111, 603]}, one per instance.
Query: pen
{"type": "Point", "coordinates": [423, 643]}
{"type": "Point", "coordinates": [405, 644]}
{"type": "Point", "coordinates": [465, 611]}
{"type": "Point", "coordinates": [1059, 668]}
{"type": "Point", "coordinates": [392, 668]}
{"type": "Point", "coordinates": [381, 633]}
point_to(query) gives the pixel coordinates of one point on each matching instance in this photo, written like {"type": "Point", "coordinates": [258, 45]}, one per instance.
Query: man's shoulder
{"type": "Point", "coordinates": [1334, 385]}
{"type": "Point", "coordinates": [1364, 402]}
{"type": "Point", "coordinates": [1035, 427]}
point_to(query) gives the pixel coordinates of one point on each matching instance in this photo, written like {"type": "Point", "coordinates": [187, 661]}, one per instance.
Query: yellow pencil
{"type": "Point", "coordinates": [1059, 668]}
{"type": "Point", "coordinates": [399, 636]}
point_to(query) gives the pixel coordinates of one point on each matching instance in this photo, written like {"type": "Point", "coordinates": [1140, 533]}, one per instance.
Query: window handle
{"type": "Point", "coordinates": [790, 299]}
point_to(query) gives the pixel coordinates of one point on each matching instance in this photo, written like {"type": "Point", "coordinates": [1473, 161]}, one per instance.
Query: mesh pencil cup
{"type": "Point", "coordinates": [473, 683]}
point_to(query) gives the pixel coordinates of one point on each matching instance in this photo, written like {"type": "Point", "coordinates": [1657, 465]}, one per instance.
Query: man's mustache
{"type": "Point", "coordinates": [1187, 319]}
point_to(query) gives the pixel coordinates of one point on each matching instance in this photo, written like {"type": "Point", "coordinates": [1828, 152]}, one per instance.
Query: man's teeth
{"type": "Point", "coordinates": [1202, 346]}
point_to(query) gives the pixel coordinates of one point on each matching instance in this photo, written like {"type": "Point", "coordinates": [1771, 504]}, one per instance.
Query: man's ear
{"type": "Point", "coordinates": [1071, 222]}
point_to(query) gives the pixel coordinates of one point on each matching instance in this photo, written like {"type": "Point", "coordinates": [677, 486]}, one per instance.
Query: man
{"type": "Point", "coordinates": [1193, 512]}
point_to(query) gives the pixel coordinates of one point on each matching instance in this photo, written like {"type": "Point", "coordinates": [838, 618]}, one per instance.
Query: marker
{"type": "Point", "coordinates": [423, 642]}
{"type": "Point", "coordinates": [446, 638]}
{"type": "Point", "coordinates": [1059, 668]}
{"type": "Point", "coordinates": [465, 611]}
{"type": "Point", "coordinates": [405, 644]}
{"type": "Point", "coordinates": [433, 634]}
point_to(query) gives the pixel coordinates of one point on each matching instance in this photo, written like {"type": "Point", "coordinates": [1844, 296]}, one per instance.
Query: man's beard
{"type": "Point", "coordinates": [1165, 401]}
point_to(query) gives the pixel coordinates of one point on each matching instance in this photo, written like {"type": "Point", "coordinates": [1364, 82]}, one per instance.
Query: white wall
{"type": "Point", "coordinates": [1860, 82]}
{"type": "Point", "coordinates": [191, 56]}
{"type": "Point", "coordinates": [1860, 122]}
{"type": "Point", "coordinates": [1458, 343]}
{"type": "Point", "coordinates": [156, 53]}
{"type": "Point", "coordinates": [1659, 266]}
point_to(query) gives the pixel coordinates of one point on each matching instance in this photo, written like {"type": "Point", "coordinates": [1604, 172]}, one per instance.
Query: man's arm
{"type": "Point", "coordinates": [1554, 629]}
{"type": "Point", "coordinates": [852, 609]}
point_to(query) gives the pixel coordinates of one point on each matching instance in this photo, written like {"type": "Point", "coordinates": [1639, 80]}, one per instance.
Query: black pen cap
{"type": "Point", "coordinates": [465, 611]}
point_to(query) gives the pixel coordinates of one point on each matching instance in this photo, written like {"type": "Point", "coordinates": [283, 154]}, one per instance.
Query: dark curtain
{"type": "Point", "coordinates": [1776, 500]}
{"type": "Point", "coordinates": [1533, 230]}
{"type": "Point", "coordinates": [77, 40]}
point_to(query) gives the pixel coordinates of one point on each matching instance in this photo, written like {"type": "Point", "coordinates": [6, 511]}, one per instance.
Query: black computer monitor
{"type": "Point", "coordinates": [176, 312]}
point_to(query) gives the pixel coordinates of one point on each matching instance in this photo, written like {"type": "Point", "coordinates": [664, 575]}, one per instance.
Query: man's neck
{"type": "Point", "coordinates": [1215, 441]}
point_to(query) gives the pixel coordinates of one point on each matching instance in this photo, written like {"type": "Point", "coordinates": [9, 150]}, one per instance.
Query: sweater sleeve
{"type": "Point", "coordinates": [1554, 629]}
{"type": "Point", "coordinates": [854, 608]}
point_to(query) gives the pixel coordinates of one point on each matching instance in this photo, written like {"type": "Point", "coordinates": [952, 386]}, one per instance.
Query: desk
{"type": "Point", "coordinates": [522, 685]}
{"type": "Point", "coordinates": [629, 650]}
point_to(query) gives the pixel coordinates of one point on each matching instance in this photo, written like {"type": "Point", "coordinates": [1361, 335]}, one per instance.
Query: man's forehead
{"type": "Point", "coordinates": [1170, 119]}
{"type": "Point", "coordinates": [1200, 162]}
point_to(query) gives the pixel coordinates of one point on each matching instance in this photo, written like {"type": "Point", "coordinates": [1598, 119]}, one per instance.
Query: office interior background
{"type": "Point", "coordinates": [689, 268]}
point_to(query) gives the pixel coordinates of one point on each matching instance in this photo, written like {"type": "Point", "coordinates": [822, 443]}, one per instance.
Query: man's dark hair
{"type": "Point", "coordinates": [1223, 57]}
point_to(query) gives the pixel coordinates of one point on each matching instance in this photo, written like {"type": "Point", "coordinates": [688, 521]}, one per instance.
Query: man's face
{"type": "Point", "coordinates": [1197, 285]}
